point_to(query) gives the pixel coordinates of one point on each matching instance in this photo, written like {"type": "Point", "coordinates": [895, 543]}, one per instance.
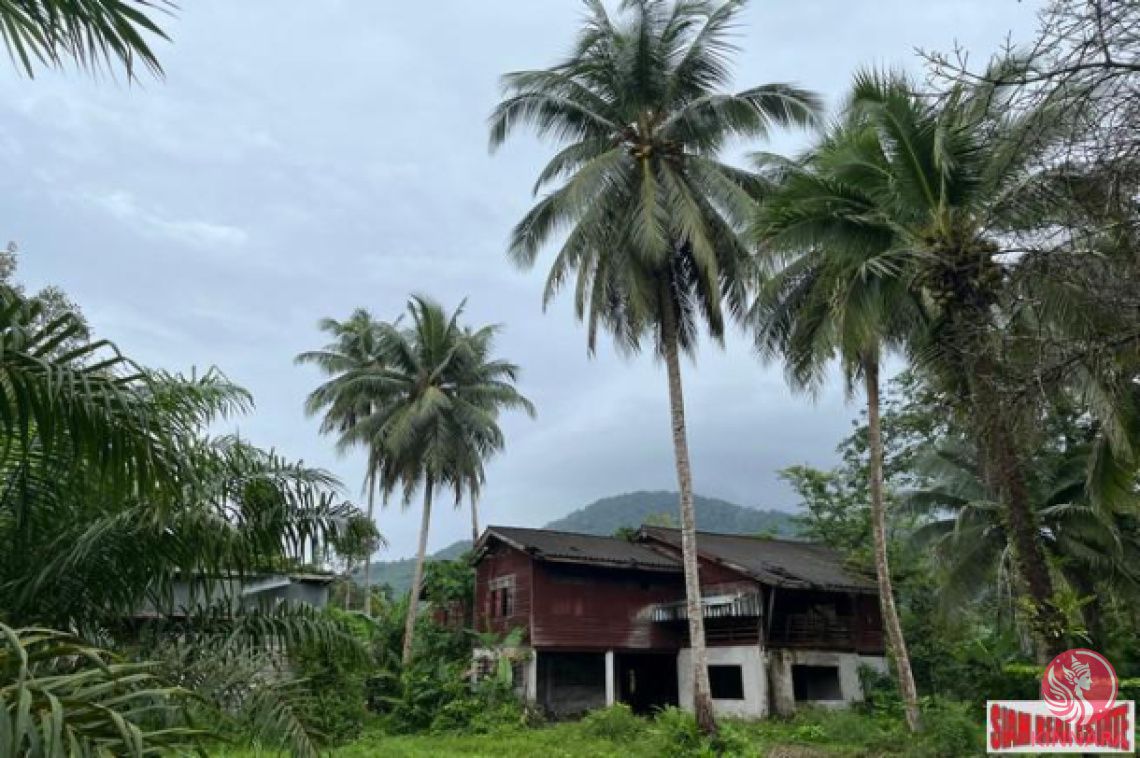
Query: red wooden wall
{"type": "Point", "coordinates": [503, 561]}
{"type": "Point", "coordinates": [586, 608]}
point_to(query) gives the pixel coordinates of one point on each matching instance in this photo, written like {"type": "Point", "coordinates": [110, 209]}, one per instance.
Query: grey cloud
{"type": "Point", "coordinates": [296, 164]}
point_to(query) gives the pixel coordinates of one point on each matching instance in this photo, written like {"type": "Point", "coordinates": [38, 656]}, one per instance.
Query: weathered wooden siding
{"type": "Point", "coordinates": [586, 608]}
{"type": "Point", "coordinates": [500, 562]}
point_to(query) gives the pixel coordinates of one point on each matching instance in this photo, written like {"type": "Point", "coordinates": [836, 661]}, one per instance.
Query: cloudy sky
{"type": "Point", "coordinates": [303, 159]}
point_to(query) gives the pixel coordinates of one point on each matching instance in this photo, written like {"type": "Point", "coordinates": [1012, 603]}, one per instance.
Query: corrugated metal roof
{"type": "Point", "coordinates": [582, 548]}
{"type": "Point", "coordinates": [780, 563]}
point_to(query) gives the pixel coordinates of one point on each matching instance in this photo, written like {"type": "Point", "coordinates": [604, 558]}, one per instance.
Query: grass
{"type": "Point", "coordinates": [615, 733]}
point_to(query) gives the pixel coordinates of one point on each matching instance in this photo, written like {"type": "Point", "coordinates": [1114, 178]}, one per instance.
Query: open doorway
{"type": "Point", "coordinates": [571, 684]}
{"type": "Point", "coordinates": [647, 681]}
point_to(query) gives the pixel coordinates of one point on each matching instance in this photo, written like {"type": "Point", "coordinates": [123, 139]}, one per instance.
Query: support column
{"type": "Point", "coordinates": [611, 690]}
{"type": "Point", "coordinates": [531, 694]}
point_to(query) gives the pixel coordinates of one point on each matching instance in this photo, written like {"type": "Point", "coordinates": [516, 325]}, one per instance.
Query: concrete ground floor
{"type": "Point", "coordinates": [746, 680]}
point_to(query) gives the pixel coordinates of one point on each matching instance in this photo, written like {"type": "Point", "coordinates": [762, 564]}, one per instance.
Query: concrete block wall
{"type": "Point", "coordinates": [780, 662]}
{"type": "Point", "coordinates": [750, 658]}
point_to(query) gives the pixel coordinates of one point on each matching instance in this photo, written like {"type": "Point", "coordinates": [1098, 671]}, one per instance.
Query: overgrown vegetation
{"type": "Point", "coordinates": [980, 227]}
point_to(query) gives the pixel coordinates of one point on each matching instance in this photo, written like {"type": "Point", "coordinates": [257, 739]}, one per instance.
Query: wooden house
{"type": "Point", "coordinates": [604, 620]}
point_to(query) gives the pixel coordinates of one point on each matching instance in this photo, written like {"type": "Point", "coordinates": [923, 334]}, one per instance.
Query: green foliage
{"type": "Point", "coordinates": [675, 735]}
{"type": "Point", "coordinates": [652, 214]}
{"type": "Point", "coordinates": [449, 581]}
{"type": "Point", "coordinates": [61, 696]}
{"type": "Point", "coordinates": [112, 495]}
{"type": "Point", "coordinates": [93, 34]}
{"type": "Point", "coordinates": [616, 723]}
{"type": "Point", "coordinates": [333, 706]}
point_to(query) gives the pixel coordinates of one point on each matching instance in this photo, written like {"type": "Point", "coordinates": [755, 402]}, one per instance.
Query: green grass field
{"type": "Point", "coordinates": [813, 733]}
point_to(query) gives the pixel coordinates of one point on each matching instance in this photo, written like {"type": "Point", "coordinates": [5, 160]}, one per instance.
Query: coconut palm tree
{"type": "Point", "coordinates": [93, 34]}
{"type": "Point", "coordinates": [352, 361]}
{"type": "Point", "coordinates": [434, 419]}
{"type": "Point", "coordinates": [835, 292]}
{"type": "Point", "coordinates": [652, 214]}
{"type": "Point", "coordinates": [955, 182]}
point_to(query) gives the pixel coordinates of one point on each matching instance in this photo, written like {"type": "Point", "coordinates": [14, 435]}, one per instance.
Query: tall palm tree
{"type": "Point", "coordinates": [954, 182]}
{"type": "Point", "coordinates": [434, 419]}
{"type": "Point", "coordinates": [835, 292]}
{"type": "Point", "coordinates": [352, 361]}
{"type": "Point", "coordinates": [93, 34]}
{"type": "Point", "coordinates": [653, 215]}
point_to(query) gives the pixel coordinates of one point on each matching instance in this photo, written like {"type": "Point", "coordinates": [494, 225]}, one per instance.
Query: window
{"type": "Point", "coordinates": [503, 596]}
{"type": "Point", "coordinates": [816, 683]}
{"type": "Point", "coordinates": [726, 682]}
{"type": "Point", "coordinates": [505, 605]}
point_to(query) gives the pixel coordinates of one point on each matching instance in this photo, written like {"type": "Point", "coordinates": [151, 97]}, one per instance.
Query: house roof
{"type": "Point", "coordinates": [300, 577]}
{"type": "Point", "coordinates": [779, 563]}
{"type": "Point", "coordinates": [567, 547]}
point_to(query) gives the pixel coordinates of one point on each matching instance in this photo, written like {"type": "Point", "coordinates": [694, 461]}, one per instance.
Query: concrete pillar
{"type": "Point", "coordinates": [531, 695]}
{"type": "Point", "coordinates": [611, 688]}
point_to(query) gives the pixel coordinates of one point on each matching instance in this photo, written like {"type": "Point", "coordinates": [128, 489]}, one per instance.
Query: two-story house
{"type": "Point", "coordinates": [604, 620]}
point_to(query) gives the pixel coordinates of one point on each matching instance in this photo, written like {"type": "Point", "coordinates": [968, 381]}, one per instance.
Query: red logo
{"type": "Point", "coordinates": [1079, 685]}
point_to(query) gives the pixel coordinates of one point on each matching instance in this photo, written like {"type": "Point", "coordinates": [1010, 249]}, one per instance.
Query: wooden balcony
{"type": "Point", "coordinates": [806, 630]}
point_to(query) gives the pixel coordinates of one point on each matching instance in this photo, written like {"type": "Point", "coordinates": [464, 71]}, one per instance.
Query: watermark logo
{"type": "Point", "coordinates": [1079, 685]}
{"type": "Point", "coordinates": [1078, 711]}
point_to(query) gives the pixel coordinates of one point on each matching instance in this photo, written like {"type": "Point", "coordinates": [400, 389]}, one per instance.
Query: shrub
{"type": "Point", "coordinates": [809, 733]}
{"type": "Point", "coordinates": [616, 723]}
{"type": "Point", "coordinates": [676, 735]}
{"type": "Point", "coordinates": [880, 691]}
{"type": "Point", "coordinates": [950, 729]}
{"type": "Point", "coordinates": [334, 705]}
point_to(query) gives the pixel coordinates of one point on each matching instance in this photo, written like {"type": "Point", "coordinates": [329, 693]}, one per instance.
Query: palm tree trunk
{"type": "Point", "coordinates": [469, 611]}
{"type": "Point", "coordinates": [702, 698]}
{"type": "Point", "coordinates": [1005, 477]}
{"type": "Point", "coordinates": [418, 577]}
{"type": "Point", "coordinates": [474, 522]}
{"type": "Point", "coordinates": [368, 561]}
{"type": "Point", "coordinates": [348, 586]}
{"type": "Point", "coordinates": [895, 639]}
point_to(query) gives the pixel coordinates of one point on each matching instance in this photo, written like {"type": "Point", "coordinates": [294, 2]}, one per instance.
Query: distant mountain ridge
{"type": "Point", "coordinates": [606, 516]}
{"type": "Point", "coordinates": [631, 509]}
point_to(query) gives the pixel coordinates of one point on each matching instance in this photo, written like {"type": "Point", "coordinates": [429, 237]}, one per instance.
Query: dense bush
{"type": "Point", "coordinates": [675, 735]}
{"type": "Point", "coordinates": [334, 706]}
{"type": "Point", "coordinates": [617, 723]}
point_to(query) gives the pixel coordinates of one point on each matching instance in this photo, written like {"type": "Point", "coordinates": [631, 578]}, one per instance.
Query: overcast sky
{"type": "Point", "coordinates": [303, 159]}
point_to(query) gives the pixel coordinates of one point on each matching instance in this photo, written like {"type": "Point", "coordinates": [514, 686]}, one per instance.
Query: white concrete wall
{"type": "Point", "coordinates": [781, 662]}
{"type": "Point", "coordinates": [750, 658]}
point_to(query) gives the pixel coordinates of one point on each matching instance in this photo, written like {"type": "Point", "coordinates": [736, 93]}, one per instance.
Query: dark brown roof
{"type": "Point", "coordinates": [567, 547]}
{"type": "Point", "coordinates": [780, 563]}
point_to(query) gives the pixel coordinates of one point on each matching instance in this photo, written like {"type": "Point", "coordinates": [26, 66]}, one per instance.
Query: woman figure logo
{"type": "Point", "coordinates": [1078, 685]}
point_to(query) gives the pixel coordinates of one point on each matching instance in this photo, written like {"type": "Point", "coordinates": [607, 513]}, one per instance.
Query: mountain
{"type": "Point", "coordinates": [609, 514]}
{"type": "Point", "coordinates": [606, 516]}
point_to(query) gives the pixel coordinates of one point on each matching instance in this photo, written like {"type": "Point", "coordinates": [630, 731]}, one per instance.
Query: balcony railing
{"type": "Point", "coordinates": [743, 605]}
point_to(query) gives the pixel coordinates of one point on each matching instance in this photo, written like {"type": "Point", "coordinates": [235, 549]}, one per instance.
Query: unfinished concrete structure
{"type": "Point", "coordinates": [604, 620]}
